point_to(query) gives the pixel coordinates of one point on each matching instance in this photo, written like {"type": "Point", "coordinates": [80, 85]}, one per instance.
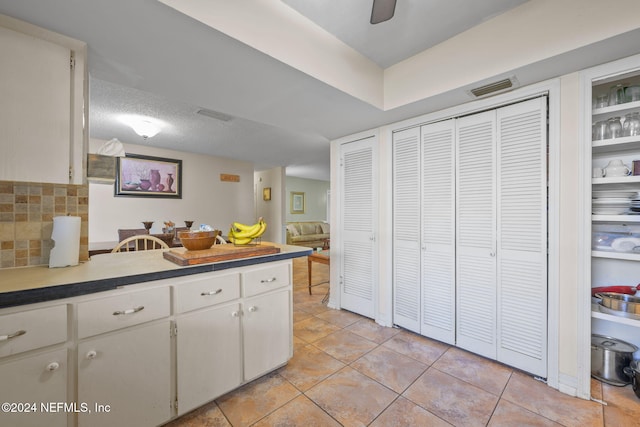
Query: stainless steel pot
{"type": "Point", "coordinates": [609, 357]}
{"type": "Point", "coordinates": [620, 302]}
{"type": "Point", "coordinates": [633, 371]}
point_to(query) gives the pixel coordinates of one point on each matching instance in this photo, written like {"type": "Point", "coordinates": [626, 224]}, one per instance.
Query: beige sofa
{"type": "Point", "coordinates": [312, 234]}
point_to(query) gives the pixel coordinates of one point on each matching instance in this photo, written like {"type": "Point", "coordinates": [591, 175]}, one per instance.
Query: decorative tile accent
{"type": "Point", "coordinates": [26, 220]}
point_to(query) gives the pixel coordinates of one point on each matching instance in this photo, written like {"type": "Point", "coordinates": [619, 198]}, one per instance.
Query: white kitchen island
{"type": "Point", "coordinates": [133, 339]}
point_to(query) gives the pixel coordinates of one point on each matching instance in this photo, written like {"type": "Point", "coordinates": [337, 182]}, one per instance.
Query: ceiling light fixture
{"type": "Point", "coordinates": [146, 127]}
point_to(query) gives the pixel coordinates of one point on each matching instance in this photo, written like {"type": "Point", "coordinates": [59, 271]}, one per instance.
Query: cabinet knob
{"type": "Point", "coordinates": [273, 279]}
{"type": "Point", "coordinates": [492, 254]}
{"type": "Point", "coordinates": [91, 354]}
{"type": "Point", "coordinates": [253, 308]}
{"type": "Point", "coordinates": [235, 314]}
{"type": "Point", "coordinates": [53, 366]}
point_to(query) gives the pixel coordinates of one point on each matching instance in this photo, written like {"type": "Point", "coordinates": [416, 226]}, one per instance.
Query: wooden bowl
{"type": "Point", "coordinates": [198, 240]}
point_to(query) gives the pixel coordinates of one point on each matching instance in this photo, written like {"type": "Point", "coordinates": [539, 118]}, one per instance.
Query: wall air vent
{"type": "Point", "coordinates": [214, 115]}
{"type": "Point", "coordinates": [492, 88]}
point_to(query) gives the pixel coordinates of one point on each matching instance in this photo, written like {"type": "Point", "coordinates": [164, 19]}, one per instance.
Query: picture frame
{"type": "Point", "coordinates": [147, 176]}
{"type": "Point", "coordinates": [266, 194]}
{"type": "Point", "coordinates": [297, 202]}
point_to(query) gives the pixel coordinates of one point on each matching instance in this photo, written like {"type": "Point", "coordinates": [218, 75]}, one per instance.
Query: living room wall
{"type": "Point", "coordinates": [315, 199]}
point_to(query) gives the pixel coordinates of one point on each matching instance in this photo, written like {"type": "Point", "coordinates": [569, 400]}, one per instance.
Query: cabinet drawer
{"type": "Point", "coordinates": [121, 311]}
{"type": "Point", "coordinates": [31, 329]}
{"type": "Point", "coordinates": [265, 279]}
{"type": "Point", "coordinates": [204, 292]}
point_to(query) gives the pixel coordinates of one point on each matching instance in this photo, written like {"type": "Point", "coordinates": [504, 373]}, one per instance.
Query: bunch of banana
{"type": "Point", "coordinates": [242, 234]}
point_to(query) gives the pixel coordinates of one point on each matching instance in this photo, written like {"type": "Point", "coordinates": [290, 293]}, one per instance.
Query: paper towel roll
{"type": "Point", "coordinates": [66, 239]}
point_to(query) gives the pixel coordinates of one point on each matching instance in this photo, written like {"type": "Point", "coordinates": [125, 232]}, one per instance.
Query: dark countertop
{"type": "Point", "coordinates": [27, 285]}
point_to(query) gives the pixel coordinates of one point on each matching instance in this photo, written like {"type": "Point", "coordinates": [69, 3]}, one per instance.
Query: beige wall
{"type": "Point", "coordinates": [272, 211]}
{"type": "Point", "coordinates": [205, 200]}
{"type": "Point", "coordinates": [315, 199]}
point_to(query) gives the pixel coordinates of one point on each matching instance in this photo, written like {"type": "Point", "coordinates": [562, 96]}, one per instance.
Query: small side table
{"type": "Point", "coordinates": [321, 258]}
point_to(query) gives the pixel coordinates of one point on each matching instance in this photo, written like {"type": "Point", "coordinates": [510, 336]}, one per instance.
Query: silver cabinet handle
{"type": "Point", "coordinates": [91, 354]}
{"type": "Point", "coordinates": [492, 254]}
{"type": "Point", "coordinates": [128, 311]}
{"type": "Point", "coordinates": [217, 291]}
{"type": "Point", "coordinates": [268, 280]}
{"type": "Point", "coordinates": [13, 335]}
{"type": "Point", "coordinates": [253, 308]}
{"type": "Point", "coordinates": [53, 366]}
{"type": "Point", "coordinates": [235, 314]}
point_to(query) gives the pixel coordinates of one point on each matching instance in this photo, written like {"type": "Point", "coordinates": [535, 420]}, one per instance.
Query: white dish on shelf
{"type": "Point", "coordinates": [626, 244]}
{"type": "Point", "coordinates": [609, 211]}
{"type": "Point", "coordinates": [610, 194]}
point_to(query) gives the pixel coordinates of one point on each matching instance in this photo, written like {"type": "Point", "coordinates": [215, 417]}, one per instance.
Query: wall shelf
{"type": "Point", "coordinates": [616, 144]}
{"type": "Point", "coordinates": [599, 113]}
{"type": "Point", "coordinates": [616, 255]}
{"type": "Point", "coordinates": [616, 218]}
{"type": "Point", "coordinates": [615, 319]}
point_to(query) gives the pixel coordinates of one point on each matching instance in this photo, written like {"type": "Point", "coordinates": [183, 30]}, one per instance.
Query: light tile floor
{"type": "Point", "coordinates": [349, 371]}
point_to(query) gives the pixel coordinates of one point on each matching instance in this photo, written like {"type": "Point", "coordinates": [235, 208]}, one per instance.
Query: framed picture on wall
{"type": "Point", "coordinates": [297, 202]}
{"type": "Point", "coordinates": [146, 176]}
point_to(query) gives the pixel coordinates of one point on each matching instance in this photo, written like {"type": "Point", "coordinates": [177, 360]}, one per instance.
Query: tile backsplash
{"type": "Point", "coordinates": [26, 220]}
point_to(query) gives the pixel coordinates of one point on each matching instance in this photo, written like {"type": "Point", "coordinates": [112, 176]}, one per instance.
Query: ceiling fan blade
{"type": "Point", "coordinates": [382, 10]}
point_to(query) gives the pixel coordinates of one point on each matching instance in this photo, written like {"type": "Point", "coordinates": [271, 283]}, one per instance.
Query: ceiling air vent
{"type": "Point", "coordinates": [214, 115]}
{"type": "Point", "coordinates": [499, 86]}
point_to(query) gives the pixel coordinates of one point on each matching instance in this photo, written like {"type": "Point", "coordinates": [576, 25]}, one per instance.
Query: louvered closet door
{"type": "Point", "coordinates": [358, 219]}
{"type": "Point", "coordinates": [522, 236]}
{"type": "Point", "coordinates": [406, 229]}
{"type": "Point", "coordinates": [476, 234]}
{"type": "Point", "coordinates": [438, 231]}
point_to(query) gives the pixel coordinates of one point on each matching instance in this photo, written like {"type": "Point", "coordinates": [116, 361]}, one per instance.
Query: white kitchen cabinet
{"type": "Point", "coordinates": [125, 364]}
{"type": "Point", "coordinates": [209, 359]}
{"type": "Point", "coordinates": [33, 364]}
{"type": "Point", "coordinates": [34, 381]}
{"type": "Point", "coordinates": [42, 107]}
{"type": "Point", "coordinates": [231, 328]}
{"type": "Point", "coordinates": [267, 332]}
{"type": "Point", "coordinates": [128, 375]}
{"type": "Point", "coordinates": [610, 264]}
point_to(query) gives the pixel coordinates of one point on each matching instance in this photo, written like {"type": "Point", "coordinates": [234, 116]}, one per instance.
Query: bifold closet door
{"type": "Point", "coordinates": [358, 212]}
{"type": "Point", "coordinates": [406, 229]}
{"type": "Point", "coordinates": [522, 235]}
{"type": "Point", "coordinates": [476, 290]}
{"type": "Point", "coordinates": [438, 231]}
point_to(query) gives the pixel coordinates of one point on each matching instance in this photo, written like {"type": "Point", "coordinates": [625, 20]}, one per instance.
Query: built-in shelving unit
{"type": "Point", "coordinates": [610, 267]}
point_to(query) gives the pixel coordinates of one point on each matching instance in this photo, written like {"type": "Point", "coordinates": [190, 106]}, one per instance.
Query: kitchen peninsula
{"type": "Point", "coordinates": [137, 334]}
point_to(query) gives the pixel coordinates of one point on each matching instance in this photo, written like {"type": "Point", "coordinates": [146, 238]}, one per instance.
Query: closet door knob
{"type": "Point", "coordinates": [492, 254]}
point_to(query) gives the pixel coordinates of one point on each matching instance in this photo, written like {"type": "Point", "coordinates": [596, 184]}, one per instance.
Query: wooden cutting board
{"type": "Point", "coordinates": [216, 253]}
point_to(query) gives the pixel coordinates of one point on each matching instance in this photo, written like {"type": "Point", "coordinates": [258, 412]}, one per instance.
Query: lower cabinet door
{"type": "Point", "coordinates": [208, 355]}
{"type": "Point", "coordinates": [36, 389]}
{"type": "Point", "coordinates": [267, 333]}
{"type": "Point", "coordinates": [124, 378]}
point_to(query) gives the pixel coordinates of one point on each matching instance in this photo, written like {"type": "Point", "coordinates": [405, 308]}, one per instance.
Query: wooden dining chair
{"type": "Point", "coordinates": [140, 242]}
